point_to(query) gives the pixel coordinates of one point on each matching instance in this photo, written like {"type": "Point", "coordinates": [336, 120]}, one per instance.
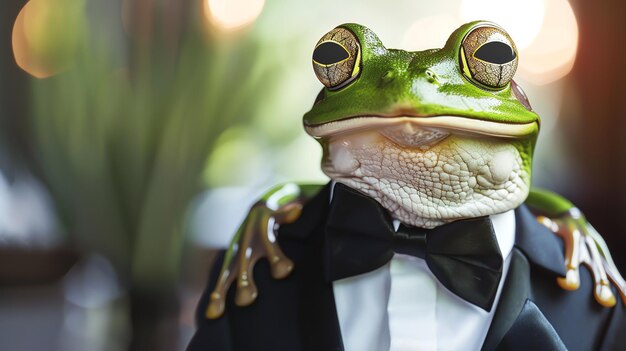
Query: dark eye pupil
{"type": "Point", "coordinates": [329, 52]}
{"type": "Point", "coordinates": [495, 52]}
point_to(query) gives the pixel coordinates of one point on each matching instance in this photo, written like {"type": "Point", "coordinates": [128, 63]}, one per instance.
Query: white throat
{"type": "Point", "coordinates": [458, 177]}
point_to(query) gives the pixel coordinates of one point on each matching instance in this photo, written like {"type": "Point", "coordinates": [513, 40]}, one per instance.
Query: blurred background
{"type": "Point", "coordinates": [135, 134]}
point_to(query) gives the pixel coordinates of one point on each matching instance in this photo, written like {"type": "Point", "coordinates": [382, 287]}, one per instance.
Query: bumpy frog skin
{"type": "Point", "coordinates": [460, 177]}
{"type": "Point", "coordinates": [434, 136]}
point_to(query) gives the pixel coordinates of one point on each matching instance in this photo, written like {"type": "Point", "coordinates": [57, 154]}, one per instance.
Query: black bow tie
{"type": "Point", "coordinates": [464, 255]}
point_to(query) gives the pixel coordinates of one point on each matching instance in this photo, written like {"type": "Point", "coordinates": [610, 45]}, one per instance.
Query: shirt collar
{"type": "Point", "coordinates": [504, 228]}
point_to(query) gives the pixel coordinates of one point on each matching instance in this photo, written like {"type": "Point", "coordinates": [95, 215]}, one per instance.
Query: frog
{"type": "Point", "coordinates": [434, 136]}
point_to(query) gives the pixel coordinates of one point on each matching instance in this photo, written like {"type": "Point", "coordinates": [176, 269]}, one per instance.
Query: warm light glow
{"type": "Point", "coordinates": [232, 14]}
{"type": "Point", "coordinates": [46, 35]}
{"type": "Point", "coordinates": [429, 33]}
{"type": "Point", "coordinates": [22, 50]}
{"type": "Point", "coordinates": [521, 19]}
{"type": "Point", "coordinates": [551, 55]}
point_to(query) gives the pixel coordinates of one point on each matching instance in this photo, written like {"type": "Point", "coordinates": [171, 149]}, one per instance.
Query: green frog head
{"type": "Point", "coordinates": [435, 135]}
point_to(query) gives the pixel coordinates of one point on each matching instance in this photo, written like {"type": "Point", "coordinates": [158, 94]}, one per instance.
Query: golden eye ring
{"type": "Point", "coordinates": [488, 57]}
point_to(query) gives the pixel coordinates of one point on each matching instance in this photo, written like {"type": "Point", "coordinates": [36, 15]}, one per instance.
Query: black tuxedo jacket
{"type": "Point", "coordinates": [298, 313]}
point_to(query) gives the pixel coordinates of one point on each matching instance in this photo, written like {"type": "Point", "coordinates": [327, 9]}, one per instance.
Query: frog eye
{"type": "Point", "coordinates": [336, 58]}
{"type": "Point", "coordinates": [488, 57]}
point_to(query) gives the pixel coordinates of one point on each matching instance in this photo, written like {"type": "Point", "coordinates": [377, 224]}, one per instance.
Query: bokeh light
{"type": "Point", "coordinates": [521, 19]}
{"type": "Point", "coordinates": [429, 33]}
{"type": "Point", "coordinates": [551, 55]}
{"type": "Point", "coordinates": [232, 14]}
{"type": "Point", "coordinates": [46, 35]}
{"type": "Point", "coordinates": [22, 50]}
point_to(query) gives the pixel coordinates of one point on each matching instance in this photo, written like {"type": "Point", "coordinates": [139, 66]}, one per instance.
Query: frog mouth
{"type": "Point", "coordinates": [418, 130]}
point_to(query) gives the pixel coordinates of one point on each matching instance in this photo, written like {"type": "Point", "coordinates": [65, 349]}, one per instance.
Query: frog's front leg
{"type": "Point", "coordinates": [256, 239]}
{"type": "Point", "coordinates": [583, 244]}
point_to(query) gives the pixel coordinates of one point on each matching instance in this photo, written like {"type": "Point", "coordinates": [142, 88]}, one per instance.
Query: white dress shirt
{"type": "Point", "coordinates": [403, 307]}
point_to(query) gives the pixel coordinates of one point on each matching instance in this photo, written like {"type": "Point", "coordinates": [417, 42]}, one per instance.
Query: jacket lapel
{"type": "Point", "coordinates": [319, 324]}
{"type": "Point", "coordinates": [531, 331]}
{"type": "Point", "coordinates": [515, 292]}
{"type": "Point", "coordinates": [318, 321]}
{"type": "Point", "coordinates": [516, 316]}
